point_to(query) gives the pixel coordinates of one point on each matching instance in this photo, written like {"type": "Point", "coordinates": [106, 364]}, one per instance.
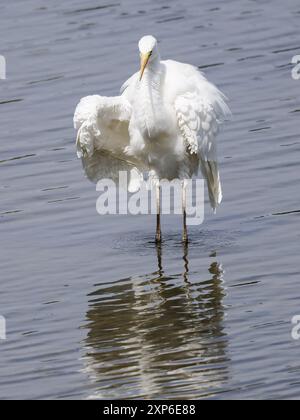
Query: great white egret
{"type": "Point", "coordinates": [165, 121]}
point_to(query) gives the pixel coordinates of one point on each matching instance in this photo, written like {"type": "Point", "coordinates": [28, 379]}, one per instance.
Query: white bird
{"type": "Point", "coordinates": [165, 121]}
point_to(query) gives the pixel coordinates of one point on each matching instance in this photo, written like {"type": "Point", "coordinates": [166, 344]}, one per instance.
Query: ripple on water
{"type": "Point", "coordinates": [162, 334]}
{"type": "Point", "coordinates": [94, 308]}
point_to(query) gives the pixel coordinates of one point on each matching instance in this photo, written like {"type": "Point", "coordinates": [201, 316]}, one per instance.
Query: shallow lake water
{"type": "Point", "coordinates": [93, 308]}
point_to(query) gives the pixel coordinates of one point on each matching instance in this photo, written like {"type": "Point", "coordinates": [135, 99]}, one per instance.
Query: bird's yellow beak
{"type": "Point", "coordinates": [144, 61]}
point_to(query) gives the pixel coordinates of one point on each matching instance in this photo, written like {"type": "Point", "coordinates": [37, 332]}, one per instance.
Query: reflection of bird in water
{"type": "Point", "coordinates": [155, 336]}
{"type": "Point", "coordinates": [165, 122]}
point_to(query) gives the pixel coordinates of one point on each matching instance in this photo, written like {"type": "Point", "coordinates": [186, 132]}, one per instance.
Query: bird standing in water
{"type": "Point", "coordinates": [165, 121]}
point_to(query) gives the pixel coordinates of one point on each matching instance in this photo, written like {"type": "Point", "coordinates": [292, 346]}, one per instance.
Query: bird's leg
{"type": "Point", "coordinates": [185, 238]}
{"type": "Point", "coordinates": [158, 225]}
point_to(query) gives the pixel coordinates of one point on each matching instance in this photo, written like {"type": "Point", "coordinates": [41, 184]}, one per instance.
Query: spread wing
{"type": "Point", "coordinates": [102, 124]}
{"type": "Point", "coordinates": [200, 111]}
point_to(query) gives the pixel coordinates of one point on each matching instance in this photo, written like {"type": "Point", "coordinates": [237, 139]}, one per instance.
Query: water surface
{"type": "Point", "coordinates": [94, 309]}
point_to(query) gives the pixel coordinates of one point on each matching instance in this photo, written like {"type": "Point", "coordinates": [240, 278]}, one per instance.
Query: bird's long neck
{"type": "Point", "coordinates": [150, 100]}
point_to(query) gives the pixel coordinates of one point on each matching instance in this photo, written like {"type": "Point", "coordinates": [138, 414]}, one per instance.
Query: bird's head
{"type": "Point", "coordinates": [148, 51]}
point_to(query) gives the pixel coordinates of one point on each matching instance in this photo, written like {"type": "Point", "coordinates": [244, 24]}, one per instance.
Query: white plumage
{"type": "Point", "coordinates": [165, 121]}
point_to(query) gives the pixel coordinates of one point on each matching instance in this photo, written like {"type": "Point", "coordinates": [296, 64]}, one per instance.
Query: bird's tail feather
{"type": "Point", "coordinates": [210, 172]}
